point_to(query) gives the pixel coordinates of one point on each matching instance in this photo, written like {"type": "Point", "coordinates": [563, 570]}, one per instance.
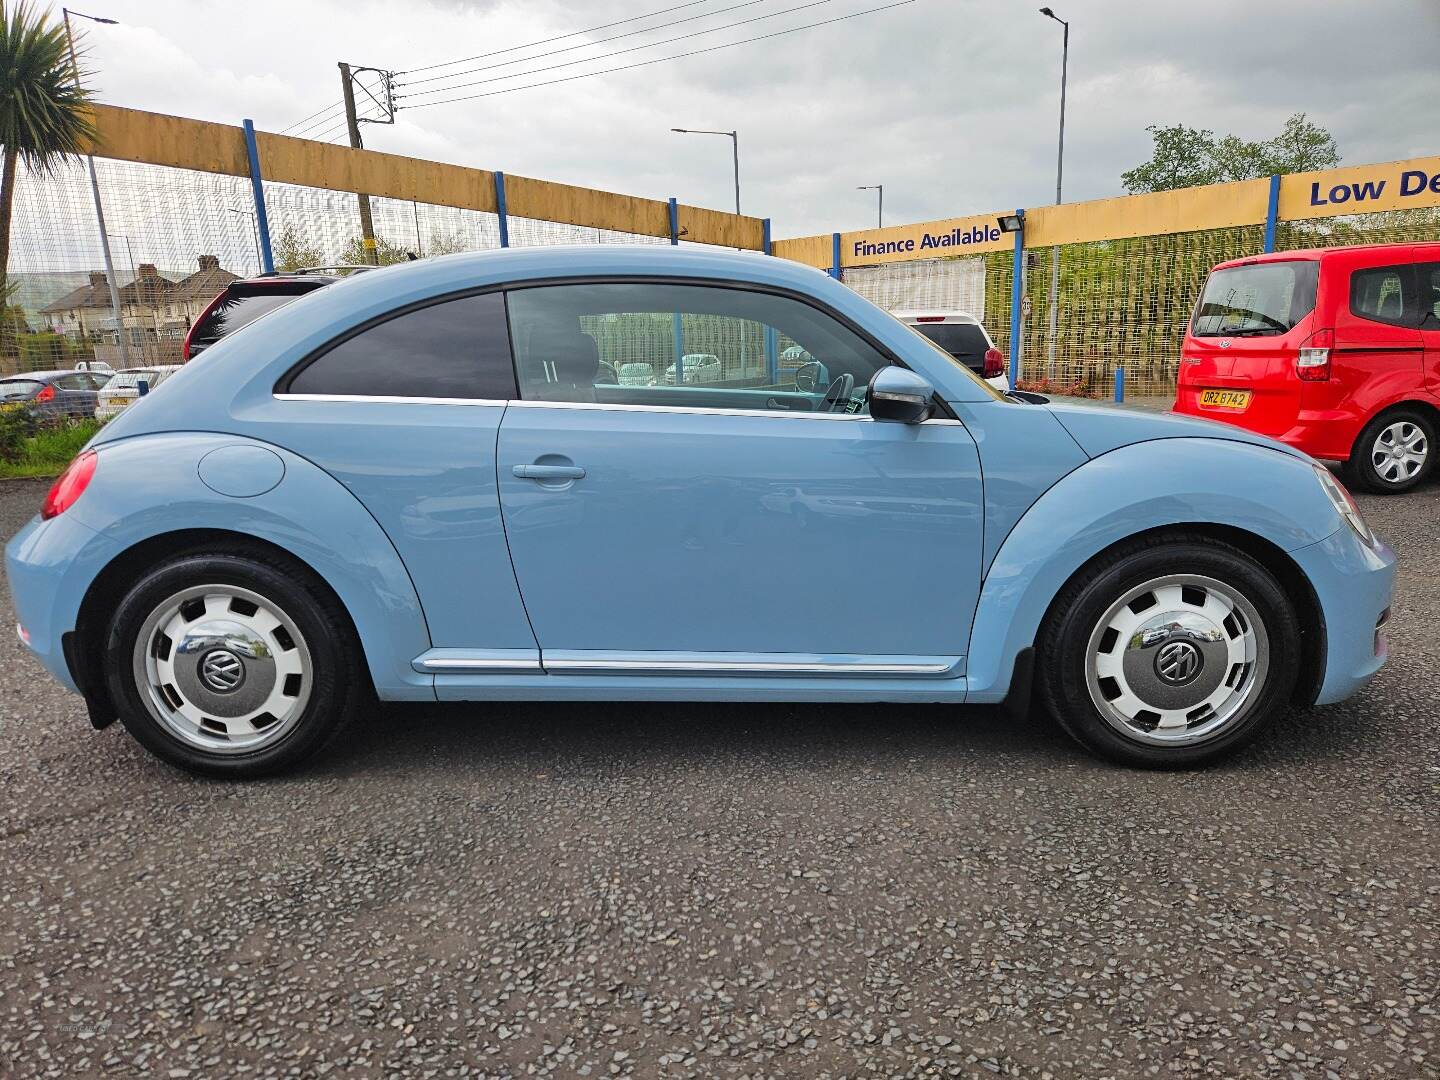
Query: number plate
{"type": "Point", "coordinates": [1225, 399]}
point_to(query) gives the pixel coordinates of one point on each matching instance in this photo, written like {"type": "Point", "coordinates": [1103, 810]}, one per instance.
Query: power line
{"type": "Point", "coordinates": [662, 59]}
{"type": "Point", "coordinates": [324, 121]}
{"type": "Point", "coordinates": [583, 44]}
{"type": "Point", "coordinates": [619, 52]}
{"type": "Point", "coordinates": [312, 116]}
{"type": "Point", "coordinates": [547, 41]}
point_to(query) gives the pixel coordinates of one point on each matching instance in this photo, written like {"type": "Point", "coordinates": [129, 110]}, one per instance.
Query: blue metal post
{"type": "Point", "coordinates": [1017, 299]}
{"type": "Point", "coordinates": [1119, 384]}
{"type": "Point", "coordinates": [1272, 212]}
{"type": "Point", "coordinates": [835, 256]}
{"type": "Point", "coordinates": [262, 223]}
{"type": "Point", "coordinates": [500, 211]}
{"type": "Point", "coordinates": [765, 236]}
{"type": "Point", "coordinates": [674, 222]}
{"type": "Point", "coordinates": [678, 332]}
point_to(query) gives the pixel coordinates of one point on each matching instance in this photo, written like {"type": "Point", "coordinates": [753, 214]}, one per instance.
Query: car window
{"type": "Point", "coordinates": [964, 341]}
{"type": "Point", "coordinates": [452, 349]}
{"type": "Point", "coordinates": [239, 306]}
{"type": "Point", "coordinates": [1258, 299]}
{"type": "Point", "coordinates": [14, 389]}
{"type": "Point", "coordinates": [1429, 290]}
{"type": "Point", "coordinates": [1381, 295]}
{"type": "Point", "coordinates": [694, 346]}
{"type": "Point", "coordinates": [76, 381]}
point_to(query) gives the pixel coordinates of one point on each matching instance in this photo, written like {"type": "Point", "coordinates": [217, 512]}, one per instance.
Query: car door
{"type": "Point", "coordinates": [74, 395]}
{"type": "Point", "coordinates": [404, 411]}
{"type": "Point", "coordinates": [743, 526]}
{"type": "Point", "coordinates": [1377, 356]}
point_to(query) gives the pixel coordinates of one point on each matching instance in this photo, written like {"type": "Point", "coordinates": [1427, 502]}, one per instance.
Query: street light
{"type": "Point", "coordinates": [1059, 175]}
{"type": "Point", "coordinates": [880, 211]}
{"type": "Point", "coordinates": [95, 189]}
{"type": "Point", "coordinates": [255, 231]}
{"type": "Point", "coordinates": [735, 138]}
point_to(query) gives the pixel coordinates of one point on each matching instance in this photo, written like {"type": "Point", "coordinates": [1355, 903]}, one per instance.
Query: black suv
{"type": "Point", "coordinates": [246, 299]}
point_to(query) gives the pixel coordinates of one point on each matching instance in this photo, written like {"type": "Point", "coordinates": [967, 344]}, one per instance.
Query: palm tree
{"type": "Point", "coordinates": [44, 114]}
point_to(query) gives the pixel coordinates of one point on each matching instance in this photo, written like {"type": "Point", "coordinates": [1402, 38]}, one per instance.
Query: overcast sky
{"type": "Point", "coordinates": [951, 104]}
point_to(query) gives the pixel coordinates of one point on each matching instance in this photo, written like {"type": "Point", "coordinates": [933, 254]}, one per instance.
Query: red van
{"type": "Point", "coordinates": [1335, 351]}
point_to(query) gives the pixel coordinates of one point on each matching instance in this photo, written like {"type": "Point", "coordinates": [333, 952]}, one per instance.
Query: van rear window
{"type": "Point", "coordinates": [964, 341]}
{"type": "Point", "coordinates": [1259, 299]}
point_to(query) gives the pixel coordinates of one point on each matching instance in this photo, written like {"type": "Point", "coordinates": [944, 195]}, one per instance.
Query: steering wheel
{"type": "Point", "coordinates": [839, 391]}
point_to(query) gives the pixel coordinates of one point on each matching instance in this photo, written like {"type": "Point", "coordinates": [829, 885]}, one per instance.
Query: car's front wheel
{"type": "Point", "coordinates": [231, 665]}
{"type": "Point", "coordinates": [1169, 653]}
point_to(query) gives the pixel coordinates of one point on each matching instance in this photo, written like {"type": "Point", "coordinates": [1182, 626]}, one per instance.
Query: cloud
{"type": "Point", "coordinates": [951, 105]}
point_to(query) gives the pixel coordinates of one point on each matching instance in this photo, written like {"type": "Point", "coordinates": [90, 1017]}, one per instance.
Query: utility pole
{"type": "Point", "coordinates": [367, 223]}
{"type": "Point", "coordinates": [95, 194]}
{"type": "Point", "coordinates": [1059, 197]}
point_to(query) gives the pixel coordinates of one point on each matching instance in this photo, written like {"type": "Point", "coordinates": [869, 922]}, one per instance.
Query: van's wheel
{"type": "Point", "coordinates": [231, 665]}
{"type": "Point", "coordinates": [1169, 653]}
{"type": "Point", "coordinates": [1394, 453]}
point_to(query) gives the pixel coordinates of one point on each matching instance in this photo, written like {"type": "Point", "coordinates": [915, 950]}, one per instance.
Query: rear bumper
{"type": "Point", "coordinates": [50, 565]}
{"type": "Point", "coordinates": [1354, 583]}
{"type": "Point", "coordinates": [1326, 435]}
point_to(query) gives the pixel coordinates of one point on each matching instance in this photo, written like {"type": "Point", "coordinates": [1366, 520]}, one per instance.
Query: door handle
{"type": "Point", "coordinates": [548, 472]}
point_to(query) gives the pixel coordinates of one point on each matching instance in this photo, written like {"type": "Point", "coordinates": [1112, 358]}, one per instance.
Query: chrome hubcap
{"type": "Point", "coordinates": [1399, 452]}
{"type": "Point", "coordinates": [222, 668]}
{"type": "Point", "coordinates": [1176, 660]}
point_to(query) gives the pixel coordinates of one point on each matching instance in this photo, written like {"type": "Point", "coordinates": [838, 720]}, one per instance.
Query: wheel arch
{"type": "Point", "coordinates": [1249, 496]}
{"type": "Point", "coordinates": [1429, 409]}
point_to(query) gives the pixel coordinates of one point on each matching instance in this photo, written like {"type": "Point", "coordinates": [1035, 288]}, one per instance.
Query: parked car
{"type": "Point", "coordinates": [414, 486]}
{"type": "Point", "coordinates": [636, 374]}
{"type": "Point", "coordinates": [1334, 351]}
{"type": "Point", "coordinates": [963, 337]}
{"type": "Point", "coordinates": [123, 387]}
{"type": "Point", "coordinates": [698, 368]}
{"type": "Point", "coordinates": [243, 301]}
{"type": "Point", "coordinates": [53, 395]}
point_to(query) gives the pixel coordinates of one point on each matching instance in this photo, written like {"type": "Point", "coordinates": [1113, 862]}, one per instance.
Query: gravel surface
{"type": "Point", "coordinates": [712, 890]}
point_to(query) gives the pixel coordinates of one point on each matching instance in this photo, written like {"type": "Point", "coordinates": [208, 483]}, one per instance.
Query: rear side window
{"type": "Point", "coordinates": [1383, 294]}
{"type": "Point", "coordinates": [1256, 300]}
{"type": "Point", "coordinates": [453, 349]}
{"type": "Point", "coordinates": [238, 307]}
{"type": "Point", "coordinates": [964, 341]}
{"type": "Point", "coordinates": [1428, 283]}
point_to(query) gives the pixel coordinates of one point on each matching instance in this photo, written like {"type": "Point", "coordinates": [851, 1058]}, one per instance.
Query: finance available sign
{"type": "Point", "coordinates": [930, 240]}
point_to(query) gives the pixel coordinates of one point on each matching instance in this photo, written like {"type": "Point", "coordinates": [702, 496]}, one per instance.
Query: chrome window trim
{"type": "Point", "coordinates": [387, 399]}
{"type": "Point", "coordinates": [596, 406]}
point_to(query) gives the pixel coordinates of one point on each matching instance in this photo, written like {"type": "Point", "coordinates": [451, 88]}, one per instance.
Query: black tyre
{"type": "Point", "coordinates": [1394, 453]}
{"type": "Point", "coordinates": [232, 665]}
{"type": "Point", "coordinates": [1169, 653]}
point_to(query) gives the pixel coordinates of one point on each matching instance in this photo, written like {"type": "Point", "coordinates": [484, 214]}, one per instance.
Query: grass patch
{"type": "Point", "coordinates": [48, 451]}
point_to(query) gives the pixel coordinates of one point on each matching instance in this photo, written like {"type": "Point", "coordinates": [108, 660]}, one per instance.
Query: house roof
{"type": "Point", "coordinates": [95, 294]}
{"type": "Point", "coordinates": [207, 282]}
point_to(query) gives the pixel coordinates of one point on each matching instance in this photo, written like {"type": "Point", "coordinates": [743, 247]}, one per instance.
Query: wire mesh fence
{"type": "Point", "coordinates": [178, 236]}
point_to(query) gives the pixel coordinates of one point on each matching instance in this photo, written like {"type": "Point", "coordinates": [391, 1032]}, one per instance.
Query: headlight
{"type": "Point", "coordinates": [1343, 502]}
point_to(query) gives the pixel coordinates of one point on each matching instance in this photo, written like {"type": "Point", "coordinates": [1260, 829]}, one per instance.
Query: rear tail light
{"type": "Point", "coordinates": [994, 363]}
{"type": "Point", "coordinates": [1313, 362]}
{"type": "Point", "coordinates": [929, 318]}
{"type": "Point", "coordinates": [47, 394]}
{"type": "Point", "coordinates": [70, 486]}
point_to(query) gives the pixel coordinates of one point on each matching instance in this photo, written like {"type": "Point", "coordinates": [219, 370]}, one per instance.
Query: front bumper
{"type": "Point", "coordinates": [1354, 583]}
{"type": "Point", "coordinates": [50, 565]}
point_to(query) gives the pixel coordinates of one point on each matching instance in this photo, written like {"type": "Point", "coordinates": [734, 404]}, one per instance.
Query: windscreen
{"type": "Point", "coordinates": [1259, 299]}
{"type": "Point", "coordinates": [14, 389]}
{"type": "Point", "coordinates": [964, 341]}
{"type": "Point", "coordinates": [237, 309]}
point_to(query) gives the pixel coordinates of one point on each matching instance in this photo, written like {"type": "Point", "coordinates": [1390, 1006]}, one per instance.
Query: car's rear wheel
{"type": "Point", "coordinates": [1394, 453]}
{"type": "Point", "coordinates": [231, 665]}
{"type": "Point", "coordinates": [1169, 653]}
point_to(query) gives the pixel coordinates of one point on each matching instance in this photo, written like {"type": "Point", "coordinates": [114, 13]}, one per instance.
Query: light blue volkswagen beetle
{"type": "Point", "coordinates": [413, 484]}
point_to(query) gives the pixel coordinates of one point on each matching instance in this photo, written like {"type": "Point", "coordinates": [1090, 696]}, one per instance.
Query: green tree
{"type": "Point", "coordinates": [44, 114]}
{"type": "Point", "coordinates": [1183, 157]}
{"type": "Point", "coordinates": [294, 250]}
{"type": "Point", "coordinates": [1190, 157]}
{"type": "Point", "coordinates": [353, 253]}
{"type": "Point", "coordinates": [446, 243]}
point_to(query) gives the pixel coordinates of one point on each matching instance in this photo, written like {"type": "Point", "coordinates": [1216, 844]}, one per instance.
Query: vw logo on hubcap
{"type": "Point", "coordinates": [222, 671]}
{"type": "Point", "coordinates": [1178, 663]}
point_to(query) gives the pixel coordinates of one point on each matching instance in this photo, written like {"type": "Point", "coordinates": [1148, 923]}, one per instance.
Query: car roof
{"type": "Point", "coordinates": [1315, 254]}
{"type": "Point", "coordinates": [42, 376]}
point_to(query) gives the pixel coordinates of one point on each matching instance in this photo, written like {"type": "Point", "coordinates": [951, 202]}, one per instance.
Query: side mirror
{"type": "Point", "coordinates": [899, 395]}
